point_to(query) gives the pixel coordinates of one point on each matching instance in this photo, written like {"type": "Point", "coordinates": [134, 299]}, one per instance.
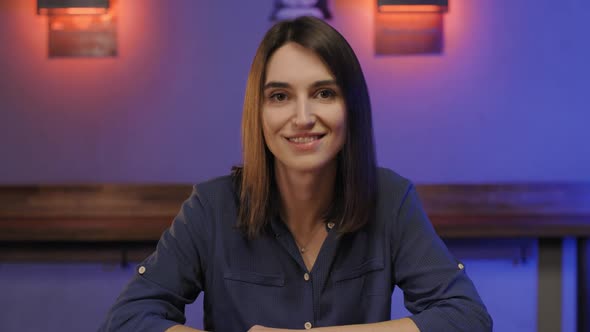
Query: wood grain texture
{"type": "Point", "coordinates": [508, 210]}
{"type": "Point", "coordinates": [134, 213]}
{"type": "Point", "coordinates": [88, 213]}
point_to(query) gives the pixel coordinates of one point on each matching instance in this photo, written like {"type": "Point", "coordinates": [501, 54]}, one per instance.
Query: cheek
{"type": "Point", "coordinates": [342, 135]}
{"type": "Point", "coordinates": [341, 127]}
{"type": "Point", "coordinates": [267, 126]}
{"type": "Point", "coordinates": [266, 131]}
{"type": "Point", "coordinates": [339, 123]}
{"type": "Point", "coordinates": [273, 120]}
{"type": "Point", "coordinates": [271, 125]}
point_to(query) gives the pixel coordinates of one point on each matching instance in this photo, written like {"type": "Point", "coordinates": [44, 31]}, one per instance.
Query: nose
{"type": "Point", "coordinates": [304, 117]}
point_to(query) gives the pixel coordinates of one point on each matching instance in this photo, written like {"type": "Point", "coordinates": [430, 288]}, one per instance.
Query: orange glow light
{"type": "Point", "coordinates": [412, 9]}
{"type": "Point", "coordinates": [408, 33]}
{"type": "Point", "coordinates": [72, 11]}
{"type": "Point", "coordinates": [83, 32]}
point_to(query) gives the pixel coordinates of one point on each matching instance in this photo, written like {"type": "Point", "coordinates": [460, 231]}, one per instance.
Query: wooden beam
{"type": "Point", "coordinates": [132, 213]}
{"type": "Point", "coordinates": [508, 210]}
{"type": "Point", "coordinates": [88, 213]}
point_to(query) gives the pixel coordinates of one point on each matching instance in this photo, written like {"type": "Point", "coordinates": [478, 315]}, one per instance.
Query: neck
{"type": "Point", "coordinates": [305, 196]}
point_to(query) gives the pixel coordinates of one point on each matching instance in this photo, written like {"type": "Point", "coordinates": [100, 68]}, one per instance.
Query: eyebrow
{"type": "Point", "coordinates": [283, 85]}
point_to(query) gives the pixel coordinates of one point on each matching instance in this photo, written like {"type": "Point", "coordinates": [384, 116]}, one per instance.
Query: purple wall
{"type": "Point", "coordinates": [505, 102]}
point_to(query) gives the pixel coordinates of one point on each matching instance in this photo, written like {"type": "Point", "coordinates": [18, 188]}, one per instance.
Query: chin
{"type": "Point", "coordinates": [307, 165]}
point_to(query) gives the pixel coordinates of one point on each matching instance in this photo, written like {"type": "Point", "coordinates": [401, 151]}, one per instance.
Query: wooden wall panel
{"type": "Point", "coordinates": [133, 213]}
{"type": "Point", "coordinates": [88, 213]}
{"type": "Point", "coordinates": [508, 210]}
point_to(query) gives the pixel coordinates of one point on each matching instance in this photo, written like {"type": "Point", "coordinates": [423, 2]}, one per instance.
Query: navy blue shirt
{"type": "Point", "coordinates": [265, 281]}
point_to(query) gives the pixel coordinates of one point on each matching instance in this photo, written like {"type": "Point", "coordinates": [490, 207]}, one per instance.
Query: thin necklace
{"type": "Point", "coordinates": [303, 249]}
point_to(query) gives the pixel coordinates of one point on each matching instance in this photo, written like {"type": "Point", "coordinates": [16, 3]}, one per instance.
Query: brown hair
{"type": "Point", "coordinates": [355, 191]}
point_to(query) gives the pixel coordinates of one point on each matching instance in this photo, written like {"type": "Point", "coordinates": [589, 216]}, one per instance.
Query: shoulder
{"type": "Point", "coordinates": [210, 203]}
{"type": "Point", "coordinates": [217, 186]}
{"type": "Point", "coordinates": [392, 186]}
{"type": "Point", "coordinates": [393, 193]}
{"type": "Point", "coordinates": [215, 191]}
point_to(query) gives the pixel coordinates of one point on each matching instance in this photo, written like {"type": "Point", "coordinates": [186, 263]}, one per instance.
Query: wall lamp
{"type": "Point", "coordinates": [80, 28]}
{"type": "Point", "coordinates": [409, 26]}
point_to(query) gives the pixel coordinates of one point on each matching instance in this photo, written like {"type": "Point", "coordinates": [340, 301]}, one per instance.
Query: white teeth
{"type": "Point", "coordinates": [306, 139]}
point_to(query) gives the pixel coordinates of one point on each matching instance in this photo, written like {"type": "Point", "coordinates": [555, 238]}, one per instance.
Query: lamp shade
{"type": "Point", "coordinates": [409, 26]}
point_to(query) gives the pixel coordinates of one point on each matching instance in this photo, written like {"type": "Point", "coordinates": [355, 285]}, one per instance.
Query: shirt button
{"type": "Point", "coordinates": [461, 266]}
{"type": "Point", "coordinates": [141, 270]}
{"type": "Point", "coordinates": [307, 325]}
{"type": "Point", "coordinates": [331, 225]}
{"type": "Point", "coordinates": [306, 277]}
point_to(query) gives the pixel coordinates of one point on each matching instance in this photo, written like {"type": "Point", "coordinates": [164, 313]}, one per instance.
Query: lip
{"type": "Point", "coordinates": [303, 135]}
{"type": "Point", "coordinates": [305, 146]}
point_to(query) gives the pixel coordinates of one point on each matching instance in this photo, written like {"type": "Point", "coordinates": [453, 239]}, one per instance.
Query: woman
{"type": "Point", "coordinates": [322, 234]}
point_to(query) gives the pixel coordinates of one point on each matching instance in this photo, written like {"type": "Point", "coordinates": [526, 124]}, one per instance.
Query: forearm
{"type": "Point", "coordinates": [182, 328]}
{"type": "Point", "coordinates": [399, 325]}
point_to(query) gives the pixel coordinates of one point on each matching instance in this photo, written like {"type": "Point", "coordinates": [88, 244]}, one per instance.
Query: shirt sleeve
{"type": "Point", "coordinates": [168, 279]}
{"type": "Point", "coordinates": [437, 290]}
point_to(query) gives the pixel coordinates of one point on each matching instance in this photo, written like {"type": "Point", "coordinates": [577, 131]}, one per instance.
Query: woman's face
{"type": "Point", "coordinates": [303, 113]}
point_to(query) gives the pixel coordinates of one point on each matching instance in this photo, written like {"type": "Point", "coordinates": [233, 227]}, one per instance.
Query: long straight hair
{"type": "Point", "coordinates": [355, 188]}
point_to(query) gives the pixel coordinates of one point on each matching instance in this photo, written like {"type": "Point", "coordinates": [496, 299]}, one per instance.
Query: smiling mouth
{"type": "Point", "coordinates": [304, 139]}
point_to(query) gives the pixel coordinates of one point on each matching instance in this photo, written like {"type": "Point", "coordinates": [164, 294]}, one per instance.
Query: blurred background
{"type": "Point", "coordinates": [504, 102]}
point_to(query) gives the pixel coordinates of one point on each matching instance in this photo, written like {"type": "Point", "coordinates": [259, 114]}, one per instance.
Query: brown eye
{"type": "Point", "coordinates": [326, 94]}
{"type": "Point", "coordinates": [278, 97]}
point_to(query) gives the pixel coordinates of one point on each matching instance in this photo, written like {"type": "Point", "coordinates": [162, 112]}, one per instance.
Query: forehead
{"type": "Point", "coordinates": [293, 63]}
